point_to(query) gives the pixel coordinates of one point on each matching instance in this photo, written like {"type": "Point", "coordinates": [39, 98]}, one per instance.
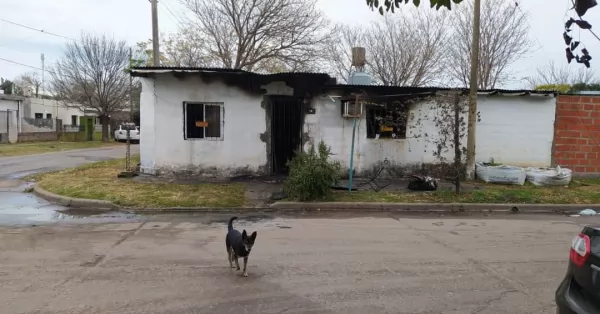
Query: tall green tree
{"type": "Point", "coordinates": [6, 86]}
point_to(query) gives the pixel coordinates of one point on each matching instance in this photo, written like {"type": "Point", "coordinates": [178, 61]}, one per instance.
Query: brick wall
{"type": "Point", "coordinates": [577, 134]}
{"type": "Point", "coordinates": [37, 137]}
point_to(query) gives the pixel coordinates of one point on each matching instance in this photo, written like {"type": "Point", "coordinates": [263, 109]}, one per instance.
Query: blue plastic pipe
{"type": "Point", "coordinates": [351, 170]}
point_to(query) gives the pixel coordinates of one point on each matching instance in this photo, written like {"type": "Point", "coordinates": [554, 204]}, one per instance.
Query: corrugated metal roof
{"type": "Point", "coordinates": [166, 69]}
{"type": "Point", "coordinates": [425, 89]}
{"type": "Point", "coordinates": [382, 88]}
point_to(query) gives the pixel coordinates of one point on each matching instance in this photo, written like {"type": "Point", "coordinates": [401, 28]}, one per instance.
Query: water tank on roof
{"type": "Point", "coordinates": [359, 78]}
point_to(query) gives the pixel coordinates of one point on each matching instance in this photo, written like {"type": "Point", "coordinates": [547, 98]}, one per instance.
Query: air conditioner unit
{"type": "Point", "coordinates": [350, 110]}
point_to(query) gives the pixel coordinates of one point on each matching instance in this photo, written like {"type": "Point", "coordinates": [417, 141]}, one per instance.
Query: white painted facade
{"type": "Point", "coordinates": [513, 130]}
{"type": "Point", "coordinates": [53, 108]}
{"type": "Point", "coordinates": [163, 146]}
{"type": "Point", "coordinates": [9, 104]}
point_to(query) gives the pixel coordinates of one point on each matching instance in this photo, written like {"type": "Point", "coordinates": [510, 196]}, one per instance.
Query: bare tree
{"type": "Point", "coordinates": [504, 39]}
{"type": "Point", "coordinates": [92, 76]}
{"type": "Point", "coordinates": [31, 80]}
{"type": "Point", "coordinates": [553, 74]}
{"type": "Point", "coordinates": [185, 48]}
{"type": "Point", "coordinates": [252, 34]}
{"type": "Point", "coordinates": [407, 49]}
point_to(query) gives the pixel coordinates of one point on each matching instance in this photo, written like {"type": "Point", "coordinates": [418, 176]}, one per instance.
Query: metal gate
{"type": "Point", "coordinates": [286, 130]}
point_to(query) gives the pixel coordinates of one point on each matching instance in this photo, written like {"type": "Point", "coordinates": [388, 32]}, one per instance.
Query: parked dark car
{"type": "Point", "coordinates": [579, 292]}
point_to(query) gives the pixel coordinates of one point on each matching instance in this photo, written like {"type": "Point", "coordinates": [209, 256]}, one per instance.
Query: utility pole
{"type": "Point", "coordinates": [128, 148]}
{"type": "Point", "coordinates": [43, 71]}
{"type": "Point", "coordinates": [472, 126]}
{"type": "Point", "coordinates": [130, 87]}
{"type": "Point", "coordinates": [155, 46]}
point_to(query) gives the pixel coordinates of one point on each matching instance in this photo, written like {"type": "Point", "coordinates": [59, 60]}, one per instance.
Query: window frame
{"type": "Point", "coordinates": [387, 109]}
{"type": "Point", "coordinates": [221, 106]}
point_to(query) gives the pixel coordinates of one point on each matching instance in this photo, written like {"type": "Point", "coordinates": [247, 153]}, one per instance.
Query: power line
{"type": "Point", "coordinates": [37, 30]}
{"type": "Point", "coordinates": [25, 65]}
{"type": "Point", "coordinates": [169, 10]}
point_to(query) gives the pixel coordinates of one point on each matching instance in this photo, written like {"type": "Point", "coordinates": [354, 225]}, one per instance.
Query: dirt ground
{"type": "Point", "coordinates": [316, 264]}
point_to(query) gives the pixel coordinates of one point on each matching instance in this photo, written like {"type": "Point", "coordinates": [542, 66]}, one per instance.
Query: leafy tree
{"type": "Point", "coordinates": [7, 86]}
{"type": "Point", "coordinates": [390, 5]}
{"type": "Point", "coordinates": [578, 87]}
{"type": "Point", "coordinates": [561, 88]}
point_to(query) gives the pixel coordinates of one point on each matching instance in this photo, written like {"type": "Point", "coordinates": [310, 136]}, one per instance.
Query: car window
{"type": "Point", "coordinates": [127, 127]}
{"type": "Point", "coordinates": [595, 245]}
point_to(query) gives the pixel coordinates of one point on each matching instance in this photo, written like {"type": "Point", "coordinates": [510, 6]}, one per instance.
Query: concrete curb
{"type": "Point", "coordinates": [354, 207]}
{"type": "Point", "coordinates": [73, 202]}
{"type": "Point", "coordinates": [431, 207]}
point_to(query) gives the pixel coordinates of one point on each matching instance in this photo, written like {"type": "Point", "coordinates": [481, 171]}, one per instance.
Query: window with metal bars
{"type": "Point", "coordinates": [203, 121]}
{"type": "Point", "coordinates": [387, 121]}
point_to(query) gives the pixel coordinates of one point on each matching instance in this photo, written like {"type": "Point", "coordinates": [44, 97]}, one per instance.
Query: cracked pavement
{"type": "Point", "coordinates": [316, 264]}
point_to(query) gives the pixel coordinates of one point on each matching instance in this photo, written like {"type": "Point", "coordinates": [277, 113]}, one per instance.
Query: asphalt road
{"type": "Point", "coordinates": [18, 208]}
{"type": "Point", "coordinates": [20, 166]}
{"type": "Point", "coordinates": [178, 264]}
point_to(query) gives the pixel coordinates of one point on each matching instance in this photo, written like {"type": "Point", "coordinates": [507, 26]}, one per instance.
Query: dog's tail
{"type": "Point", "coordinates": [230, 224]}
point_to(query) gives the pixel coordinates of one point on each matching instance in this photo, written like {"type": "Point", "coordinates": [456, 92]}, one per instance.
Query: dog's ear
{"type": "Point", "coordinates": [253, 236]}
{"type": "Point", "coordinates": [244, 234]}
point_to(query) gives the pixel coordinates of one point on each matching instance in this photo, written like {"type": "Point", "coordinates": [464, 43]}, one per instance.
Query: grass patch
{"type": "Point", "coordinates": [584, 191]}
{"type": "Point", "coordinates": [99, 181]}
{"type": "Point", "coordinates": [21, 149]}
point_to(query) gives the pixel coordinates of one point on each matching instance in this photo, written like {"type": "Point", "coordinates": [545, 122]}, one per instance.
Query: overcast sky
{"type": "Point", "coordinates": [130, 20]}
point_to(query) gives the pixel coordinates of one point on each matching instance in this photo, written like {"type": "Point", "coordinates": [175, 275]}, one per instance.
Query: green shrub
{"type": "Point", "coordinates": [312, 174]}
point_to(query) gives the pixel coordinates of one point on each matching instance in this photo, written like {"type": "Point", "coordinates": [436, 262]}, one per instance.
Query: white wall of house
{"type": "Point", "coordinates": [163, 146]}
{"type": "Point", "coordinates": [12, 109]}
{"type": "Point", "coordinates": [516, 130]}
{"type": "Point", "coordinates": [6, 104]}
{"type": "Point", "coordinates": [328, 125]}
{"type": "Point", "coordinates": [55, 109]}
{"type": "Point", "coordinates": [513, 130]}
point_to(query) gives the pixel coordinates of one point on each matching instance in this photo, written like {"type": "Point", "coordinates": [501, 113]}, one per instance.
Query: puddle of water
{"type": "Point", "coordinates": [26, 209]}
{"type": "Point", "coordinates": [21, 174]}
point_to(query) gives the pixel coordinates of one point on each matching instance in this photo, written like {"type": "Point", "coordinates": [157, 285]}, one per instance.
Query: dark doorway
{"type": "Point", "coordinates": [286, 130]}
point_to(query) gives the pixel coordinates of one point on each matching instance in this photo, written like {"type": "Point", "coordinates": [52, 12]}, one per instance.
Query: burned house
{"type": "Point", "coordinates": [224, 122]}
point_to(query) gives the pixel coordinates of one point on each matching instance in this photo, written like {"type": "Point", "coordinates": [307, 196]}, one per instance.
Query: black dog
{"type": "Point", "coordinates": [238, 245]}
